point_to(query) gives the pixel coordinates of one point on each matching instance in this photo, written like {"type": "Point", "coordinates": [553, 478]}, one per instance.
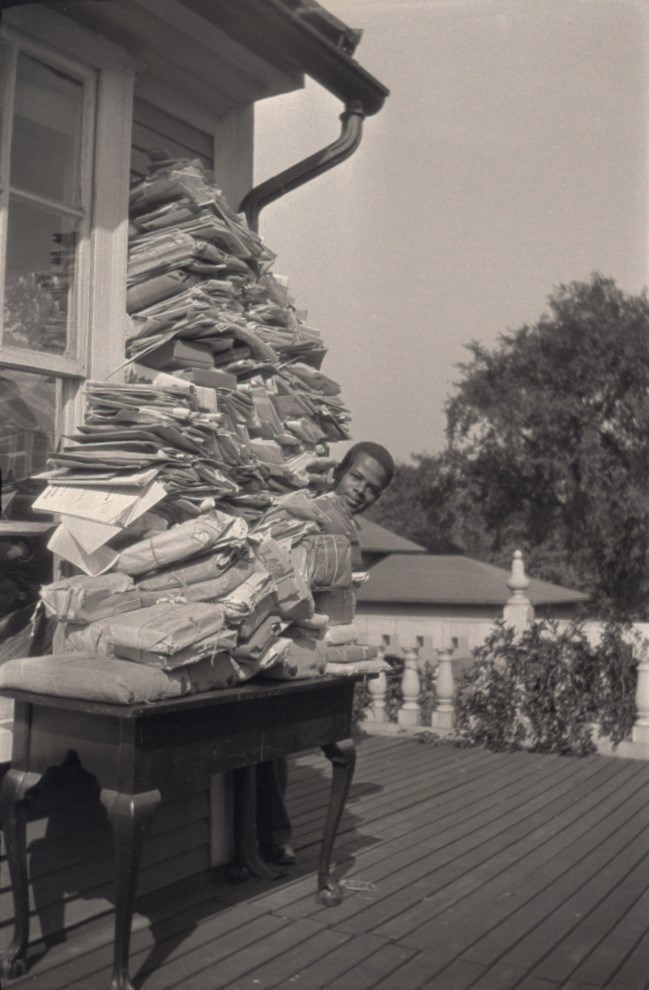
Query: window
{"type": "Point", "coordinates": [45, 216]}
{"type": "Point", "coordinates": [45, 183]}
{"type": "Point", "coordinates": [66, 98]}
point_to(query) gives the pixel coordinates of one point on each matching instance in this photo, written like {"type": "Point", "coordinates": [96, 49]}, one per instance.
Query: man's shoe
{"type": "Point", "coordinates": [282, 854]}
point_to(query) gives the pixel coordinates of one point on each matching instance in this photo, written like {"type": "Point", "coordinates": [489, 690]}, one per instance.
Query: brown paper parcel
{"type": "Point", "coordinates": [82, 599]}
{"type": "Point", "coordinates": [210, 529]}
{"type": "Point", "coordinates": [164, 629]}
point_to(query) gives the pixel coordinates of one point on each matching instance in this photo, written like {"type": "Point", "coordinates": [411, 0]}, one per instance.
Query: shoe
{"type": "Point", "coordinates": [282, 854]}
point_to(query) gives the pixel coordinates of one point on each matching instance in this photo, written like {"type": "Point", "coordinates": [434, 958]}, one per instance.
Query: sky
{"type": "Point", "coordinates": [510, 157]}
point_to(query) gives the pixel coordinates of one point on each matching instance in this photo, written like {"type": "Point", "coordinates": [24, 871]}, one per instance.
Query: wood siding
{"type": "Point", "coordinates": [155, 128]}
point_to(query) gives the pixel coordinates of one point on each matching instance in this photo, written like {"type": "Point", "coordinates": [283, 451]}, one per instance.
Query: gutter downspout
{"type": "Point", "coordinates": [309, 168]}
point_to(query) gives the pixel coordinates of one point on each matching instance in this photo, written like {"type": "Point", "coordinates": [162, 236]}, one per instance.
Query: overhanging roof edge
{"type": "Point", "coordinates": [261, 24]}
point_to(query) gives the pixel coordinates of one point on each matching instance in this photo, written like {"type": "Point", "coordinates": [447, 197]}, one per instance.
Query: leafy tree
{"type": "Point", "coordinates": [550, 432]}
{"type": "Point", "coordinates": [548, 451]}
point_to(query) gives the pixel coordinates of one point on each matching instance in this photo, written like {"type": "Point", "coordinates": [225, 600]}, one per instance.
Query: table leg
{"type": "Point", "coordinates": [129, 815]}
{"type": "Point", "coordinates": [13, 816]}
{"type": "Point", "coordinates": [247, 861]}
{"type": "Point", "coordinates": [342, 756]}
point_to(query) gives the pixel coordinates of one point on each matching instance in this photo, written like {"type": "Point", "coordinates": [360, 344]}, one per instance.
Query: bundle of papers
{"type": "Point", "coordinates": [186, 495]}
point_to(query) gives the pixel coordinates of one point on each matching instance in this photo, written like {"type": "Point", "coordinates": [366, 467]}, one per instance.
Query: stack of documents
{"type": "Point", "coordinates": [185, 497]}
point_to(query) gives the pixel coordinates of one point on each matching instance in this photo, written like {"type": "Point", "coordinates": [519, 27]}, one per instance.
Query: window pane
{"type": "Point", "coordinates": [41, 248]}
{"type": "Point", "coordinates": [27, 426]}
{"type": "Point", "coordinates": [45, 151]}
{"type": "Point", "coordinates": [27, 435]}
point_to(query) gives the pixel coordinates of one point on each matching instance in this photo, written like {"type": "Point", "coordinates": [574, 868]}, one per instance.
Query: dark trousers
{"type": "Point", "coordinates": [273, 823]}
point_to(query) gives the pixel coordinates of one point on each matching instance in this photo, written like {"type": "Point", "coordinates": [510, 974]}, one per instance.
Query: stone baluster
{"type": "Point", "coordinates": [640, 732]}
{"type": "Point", "coordinates": [377, 688]}
{"type": "Point", "coordinates": [410, 685]}
{"type": "Point", "coordinates": [443, 717]}
{"type": "Point", "coordinates": [518, 612]}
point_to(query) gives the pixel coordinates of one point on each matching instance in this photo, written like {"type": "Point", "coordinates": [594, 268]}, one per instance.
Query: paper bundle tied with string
{"type": "Point", "coordinates": [171, 634]}
{"type": "Point", "coordinates": [183, 541]}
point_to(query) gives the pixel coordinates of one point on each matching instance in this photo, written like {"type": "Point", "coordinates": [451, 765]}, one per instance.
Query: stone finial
{"type": "Point", "coordinates": [518, 612]}
{"type": "Point", "coordinates": [518, 580]}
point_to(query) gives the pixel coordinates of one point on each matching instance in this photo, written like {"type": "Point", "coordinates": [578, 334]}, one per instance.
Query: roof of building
{"type": "Point", "coordinates": [435, 579]}
{"type": "Point", "coordinates": [374, 538]}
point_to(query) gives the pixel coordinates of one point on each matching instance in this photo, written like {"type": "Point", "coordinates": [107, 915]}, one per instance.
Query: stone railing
{"type": "Point", "coordinates": [451, 658]}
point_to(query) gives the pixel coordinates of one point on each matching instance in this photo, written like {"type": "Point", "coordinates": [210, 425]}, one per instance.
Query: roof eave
{"type": "Point", "coordinates": [264, 26]}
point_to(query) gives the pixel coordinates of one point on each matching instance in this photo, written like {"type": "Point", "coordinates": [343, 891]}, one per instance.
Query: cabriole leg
{"type": "Point", "coordinates": [13, 815]}
{"type": "Point", "coordinates": [129, 815]}
{"type": "Point", "coordinates": [342, 756]}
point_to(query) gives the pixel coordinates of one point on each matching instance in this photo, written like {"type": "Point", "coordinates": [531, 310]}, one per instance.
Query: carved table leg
{"type": "Point", "coordinates": [129, 815]}
{"type": "Point", "coordinates": [342, 756]}
{"type": "Point", "coordinates": [13, 815]}
{"type": "Point", "coordinates": [247, 861]}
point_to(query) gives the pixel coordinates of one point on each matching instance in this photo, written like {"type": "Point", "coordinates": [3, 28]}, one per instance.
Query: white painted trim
{"type": "Point", "coordinates": [177, 104]}
{"type": "Point", "coordinates": [233, 154]}
{"type": "Point", "coordinates": [198, 27]}
{"type": "Point", "coordinates": [61, 32]}
{"type": "Point", "coordinates": [41, 361]}
{"type": "Point", "coordinates": [109, 242]}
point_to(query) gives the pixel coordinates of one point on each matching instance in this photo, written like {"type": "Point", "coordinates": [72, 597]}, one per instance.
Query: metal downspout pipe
{"type": "Point", "coordinates": [297, 175]}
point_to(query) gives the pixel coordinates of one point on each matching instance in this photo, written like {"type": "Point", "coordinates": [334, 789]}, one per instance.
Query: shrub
{"type": "Point", "coordinates": [362, 701]}
{"type": "Point", "coordinates": [545, 687]}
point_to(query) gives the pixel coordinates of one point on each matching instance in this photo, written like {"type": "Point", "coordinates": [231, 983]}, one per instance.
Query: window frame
{"type": "Point", "coordinates": [101, 318]}
{"type": "Point", "coordinates": [74, 365]}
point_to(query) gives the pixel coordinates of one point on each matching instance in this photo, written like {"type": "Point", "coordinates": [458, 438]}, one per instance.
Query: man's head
{"type": "Point", "coordinates": [362, 476]}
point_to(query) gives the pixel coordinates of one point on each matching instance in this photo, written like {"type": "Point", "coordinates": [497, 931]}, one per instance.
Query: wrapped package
{"type": "Point", "coordinates": [204, 591]}
{"type": "Point", "coordinates": [164, 629]}
{"type": "Point", "coordinates": [219, 670]}
{"type": "Point", "coordinates": [115, 681]}
{"type": "Point", "coordinates": [212, 567]}
{"type": "Point", "coordinates": [341, 635]}
{"type": "Point", "coordinates": [189, 656]}
{"type": "Point", "coordinates": [93, 638]}
{"type": "Point", "coordinates": [302, 658]}
{"type": "Point", "coordinates": [247, 596]}
{"type": "Point", "coordinates": [294, 600]}
{"type": "Point", "coordinates": [194, 536]}
{"type": "Point", "coordinates": [264, 636]}
{"type": "Point", "coordinates": [362, 667]}
{"type": "Point", "coordinates": [82, 599]}
{"type": "Point", "coordinates": [351, 653]}
{"type": "Point", "coordinates": [338, 603]}
{"type": "Point", "coordinates": [329, 560]}
{"type": "Point", "coordinates": [334, 515]}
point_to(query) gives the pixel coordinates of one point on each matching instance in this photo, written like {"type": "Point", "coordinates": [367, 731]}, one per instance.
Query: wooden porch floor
{"type": "Point", "coordinates": [466, 869]}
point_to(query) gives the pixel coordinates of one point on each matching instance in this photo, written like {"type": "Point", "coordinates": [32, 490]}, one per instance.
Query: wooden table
{"type": "Point", "coordinates": [137, 751]}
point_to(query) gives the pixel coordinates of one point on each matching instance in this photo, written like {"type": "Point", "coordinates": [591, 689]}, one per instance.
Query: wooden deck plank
{"type": "Point", "coordinates": [353, 965]}
{"type": "Point", "coordinates": [442, 803]}
{"type": "Point", "coordinates": [600, 868]}
{"type": "Point", "coordinates": [619, 942]}
{"type": "Point", "coordinates": [493, 872]}
{"type": "Point", "coordinates": [457, 932]}
{"type": "Point", "coordinates": [387, 960]}
{"type": "Point", "coordinates": [502, 873]}
{"type": "Point", "coordinates": [634, 973]}
{"type": "Point", "coordinates": [441, 780]}
{"type": "Point", "coordinates": [627, 903]}
{"type": "Point", "coordinates": [185, 954]}
{"type": "Point", "coordinates": [405, 845]}
{"type": "Point", "coordinates": [404, 886]}
{"type": "Point", "coordinates": [287, 969]}
{"type": "Point", "coordinates": [234, 965]}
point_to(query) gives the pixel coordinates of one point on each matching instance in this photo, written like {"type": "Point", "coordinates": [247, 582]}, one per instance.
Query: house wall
{"type": "Point", "coordinates": [69, 840]}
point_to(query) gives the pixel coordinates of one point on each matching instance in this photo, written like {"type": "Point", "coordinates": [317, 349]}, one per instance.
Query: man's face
{"type": "Point", "coordinates": [362, 483]}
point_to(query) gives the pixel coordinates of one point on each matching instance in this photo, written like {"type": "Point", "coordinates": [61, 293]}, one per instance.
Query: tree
{"type": "Point", "coordinates": [549, 444]}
